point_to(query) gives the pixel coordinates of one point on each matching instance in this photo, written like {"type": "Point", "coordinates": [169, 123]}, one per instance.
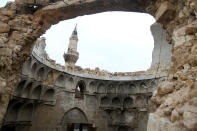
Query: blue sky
{"type": "Point", "coordinates": [114, 41]}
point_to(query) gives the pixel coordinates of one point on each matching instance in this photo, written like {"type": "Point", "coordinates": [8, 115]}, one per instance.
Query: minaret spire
{"type": "Point", "coordinates": [72, 55]}
{"type": "Point", "coordinates": [74, 34]}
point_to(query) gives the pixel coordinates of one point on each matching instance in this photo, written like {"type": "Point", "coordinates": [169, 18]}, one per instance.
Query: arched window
{"type": "Point", "coordinates": [80, 89]}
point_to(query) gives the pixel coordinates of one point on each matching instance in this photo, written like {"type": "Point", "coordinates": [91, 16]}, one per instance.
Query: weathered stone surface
{"type": "Point", "coordinates": [5, 52]}
{"type": "Point", "coordinates": [8, 12]}
{"type": "Point", "coordinates": [4, 19]}
{"type": "Point", "coordinates": [190, 120]}
{"type": "Point", "coordinates": [4, 28]}
{"type": "Point", "coordinates": [175, 116]}
{"type": "Point", "coordinates": [165, 12]}
{"type": "Point", "coordinates": [158, 123]}
{"type": "Point", "coordinates": [165, 88]}
{"type": "Point", "coordinates": [185, 33]}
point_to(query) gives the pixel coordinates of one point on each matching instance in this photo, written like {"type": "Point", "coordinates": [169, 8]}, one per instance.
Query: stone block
{"type": "Point", "coordinates": [5, 52]}
{"type": "Point", "coordinates": [190, 120]}
{"type": "Point", "coordinates": [165, 12]}
{"type": "Point", "coordinates": [3, 40]}
{"type": "Point", "coordinates": [42, 1]}
{"type": "Point", "coordinates": [4, 19]}
{"type": "Point", "coordinates": [185, 33]}
{"type": "Point", "coordinates": [30, 1]}
{"type": "Point", "coordinates": [9, 13]}
{"type": "Point", "coordinates": [175, 116]}
{"type": "Point", "coordinates": [4, 28]}
{"type": "Point", "coordinates": [165, 87]}
{"type": "Point", "coordinates": [19, 1]}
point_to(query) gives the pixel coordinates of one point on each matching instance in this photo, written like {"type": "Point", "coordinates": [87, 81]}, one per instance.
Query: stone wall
{"type": "Point", "coordinates": [175, 98]}
{"type": "Point", "coordinates": [50, 94]}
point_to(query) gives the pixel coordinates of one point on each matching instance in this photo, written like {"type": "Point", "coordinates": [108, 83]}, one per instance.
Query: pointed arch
{"type": "Point", "coordinates": [111, 89]}
{"type": "Point", "coordinates": [49, 95]}
{"type": "Point", "coordinates": [74, 115]}
{"type": "Point", "coordinates": [105, 101]}
{"type": "Point", "coordinates": [92, 87]}
{"type": "Point", "coordinates": [80, 89]}
{"type": "Point", "coordinates": [116, 101]}
{"type": "Point", "coordinates": [133, 88]}
{"type": "Point", "coordinates": [13, 111]}
{"type": "Point", "coordinates": [40, 73]}
{"type": "Point", "coordinates": [128, 102]}
{"type": "Point", "coordinates": [60, 81]}
{"type": "Point", "coordinates": [34, 68]}
{"type": "Point", "coordinates": [20, 87]}
{"type": "Point", "coordinates": [27, 90]}
{"type": "Point", "coordinates": [36, 92]}
{"type": "Point", "coordinates": [101, 88]}
{"type": "Point", "coordinates": [122, 128]}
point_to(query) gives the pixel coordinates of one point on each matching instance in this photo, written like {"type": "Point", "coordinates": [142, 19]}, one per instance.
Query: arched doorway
{"type": "Point", "coordinates": [76, 120]}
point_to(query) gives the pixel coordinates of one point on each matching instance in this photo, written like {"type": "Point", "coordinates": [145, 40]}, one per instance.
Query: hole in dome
{"type": "Point", "coordinates": [112, 41]}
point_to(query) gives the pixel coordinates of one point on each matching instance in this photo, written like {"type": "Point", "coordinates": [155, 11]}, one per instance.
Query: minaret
{"type": "Point", "coordinates": [72, 55]}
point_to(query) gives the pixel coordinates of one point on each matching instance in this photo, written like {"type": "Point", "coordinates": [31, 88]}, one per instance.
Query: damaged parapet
{"type": "Point", "coordinates": [72, 55]}
{"type": "Point", "coordinates": [161, 55]}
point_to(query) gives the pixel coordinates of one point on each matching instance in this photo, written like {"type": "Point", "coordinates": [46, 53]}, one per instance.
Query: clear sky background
{"type": "Point", "coordinates": [114, 41]}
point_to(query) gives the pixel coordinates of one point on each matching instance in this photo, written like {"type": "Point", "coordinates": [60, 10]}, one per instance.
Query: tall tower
{"type": "Point", "coordinates": [72, 55]}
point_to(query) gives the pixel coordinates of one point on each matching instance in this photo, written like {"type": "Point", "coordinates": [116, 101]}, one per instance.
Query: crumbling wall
{"type": "Point", "coordinates": [175, 98]}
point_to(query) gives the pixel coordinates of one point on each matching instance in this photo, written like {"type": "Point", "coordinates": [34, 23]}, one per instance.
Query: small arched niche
{"type": "Point", "coordinates": [27, 90]}
{"type": "Point", "coordinates": [34, 68]}
{"type": "Point", "coordinates": [69, 83]}
{"type": "Point", "coordinates": [49, 95]}
{"type": "Point", "coordinates": [92, 87]}
{"type": "Point", "coordinates": [60, 81]}
{"type": "Point", "coordinates": [105, 101]}
{"type": "Point", "coordinates": [116, 102]}
{"type": "Point", "coordinates": [80, 89]}
{"type": "Point", "coordinates": [128, 102]}
{"type": "Point", "coordinates": [140, 101]}
{"type": "Point", "coordinates": [40, 73]}
{"type": "Point", "coordinates": [111, 89]}
{"type": "Point", "coordinates": [36, 93]}
{"type": "Point", "coordinates": [120, 89]}
{"type": "Point", "coordinates": [133, 88]}
{"type": "Point", "coordinates": [26, 66]}
{"type": "Point", "coordinates": [122, 128]}
{"type": "Point", "coordinates": [20, 87]}
{"type": "Point", "coordinates": [101, 88]}
{"type": "Point", "coordinates": [13, 111]}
